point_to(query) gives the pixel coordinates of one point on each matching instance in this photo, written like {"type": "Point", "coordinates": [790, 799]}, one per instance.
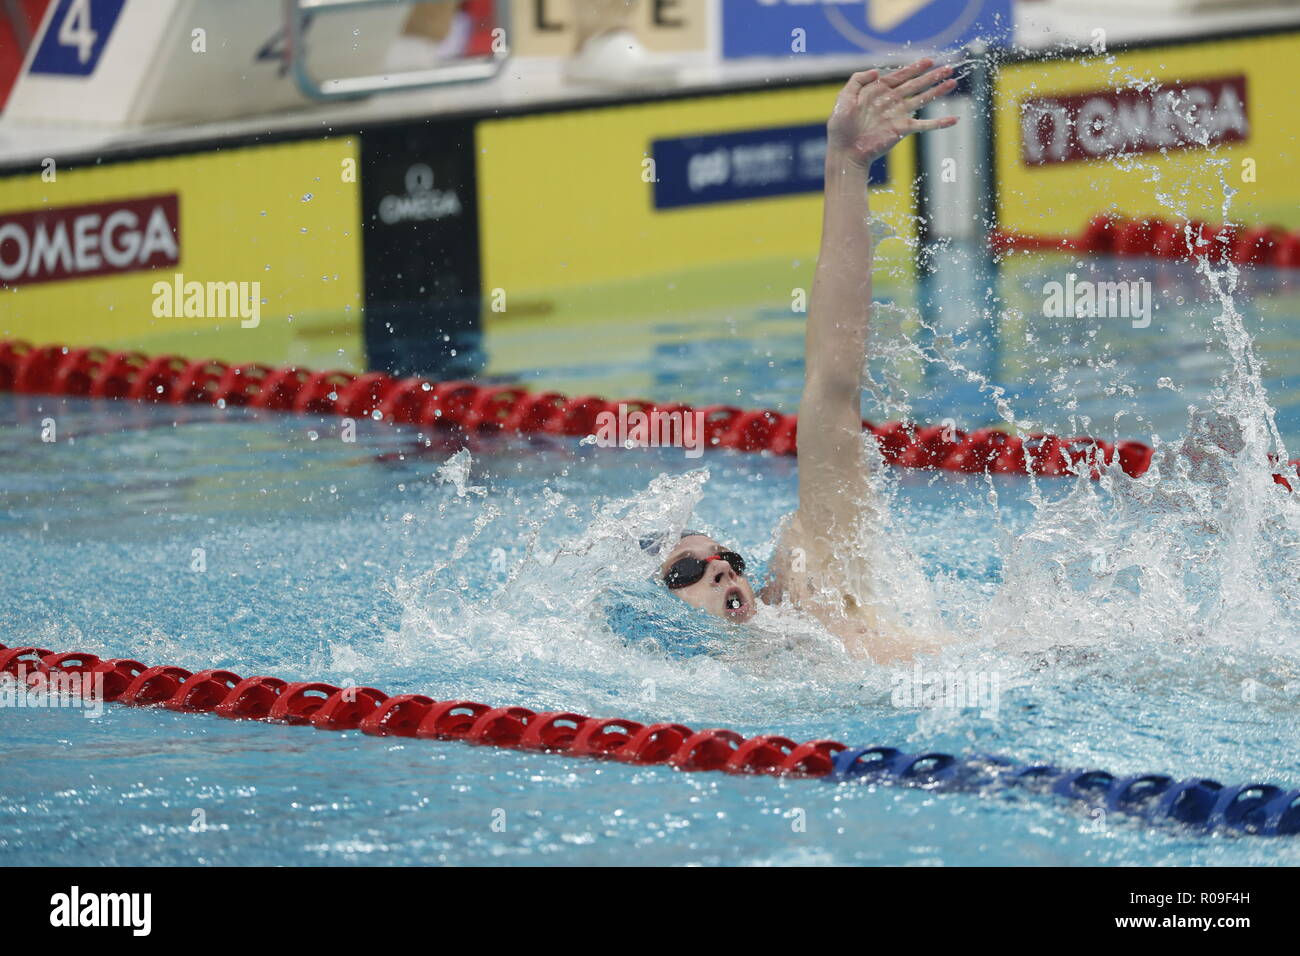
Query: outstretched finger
{"type": "Point", "coordinates": [921, 83]}
{"type": "Point", "coordinates": [925, 125]}
{"type": "Point", "coordinates": [862, 78]}
{"type": "Point", "coordinates": [914, 103]}
{"type": "Point", "coordinates": [905, 73]}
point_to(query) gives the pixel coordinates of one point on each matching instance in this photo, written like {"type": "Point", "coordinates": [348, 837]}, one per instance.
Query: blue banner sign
{"type": "Point", "coordinates": [748, 164]}
{"type": "Point", "coordinates": [818, 27]}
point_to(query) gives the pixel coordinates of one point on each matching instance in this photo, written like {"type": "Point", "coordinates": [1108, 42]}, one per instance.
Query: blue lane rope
{"type": "Point", "coordinates": [1260, 809]}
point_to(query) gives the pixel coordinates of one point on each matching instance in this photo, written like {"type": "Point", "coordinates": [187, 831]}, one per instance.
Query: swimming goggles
{"type": "Point", "coordinates": [688, 569]}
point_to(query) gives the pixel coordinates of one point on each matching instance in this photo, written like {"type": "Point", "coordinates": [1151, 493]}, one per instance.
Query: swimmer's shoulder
{"type": "Point", "coordinates": [857, 623]}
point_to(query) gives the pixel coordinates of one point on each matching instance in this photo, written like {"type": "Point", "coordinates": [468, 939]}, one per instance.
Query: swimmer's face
{"type": "Point", "coordinates": [722, 590]}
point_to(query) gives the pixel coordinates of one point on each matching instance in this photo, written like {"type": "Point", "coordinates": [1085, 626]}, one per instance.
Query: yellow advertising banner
{"type": "Point", "coordinates": [591, 209]}
{"type": "Point", "coordinates": [1162, 131]}
{"type": "Point", "coordinates": [249, 254]}
{"type": "Point", "coordinates": [689, 213]}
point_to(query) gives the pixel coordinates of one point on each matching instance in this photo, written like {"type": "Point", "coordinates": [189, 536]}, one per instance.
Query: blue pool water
{"type": "Point", "coordinates": [1144, 626]}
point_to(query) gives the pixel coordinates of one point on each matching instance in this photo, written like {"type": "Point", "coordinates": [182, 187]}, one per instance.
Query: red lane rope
{"type": "Point", "coordinates": [327, 707]}
{"type": "Point", "coordinates": [467, 407]}
{"type": "Point", "coordinates": [1112, 235]}
{"type": "Point", "coordinates": [1201, 803]}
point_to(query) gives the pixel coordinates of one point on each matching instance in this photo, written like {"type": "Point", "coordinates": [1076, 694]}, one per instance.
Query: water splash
{"type": "Point", "coordinates": [1116, 593]}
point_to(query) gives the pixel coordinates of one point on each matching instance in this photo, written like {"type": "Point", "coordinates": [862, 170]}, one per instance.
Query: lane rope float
{"type": "Point", "coordinates": [468, 407]}
{"type": "Point", "coordinates": [1153, 237]}
{"type": "Point", "coordinates": [1261, 809]}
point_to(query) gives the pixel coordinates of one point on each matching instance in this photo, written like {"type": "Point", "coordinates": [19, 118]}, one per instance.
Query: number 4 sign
{"type": "Point", "coordinates": [76, 37]}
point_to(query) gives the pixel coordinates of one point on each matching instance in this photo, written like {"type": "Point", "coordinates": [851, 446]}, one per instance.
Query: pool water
{"type": "Point", "coordinates": [1130, 626]}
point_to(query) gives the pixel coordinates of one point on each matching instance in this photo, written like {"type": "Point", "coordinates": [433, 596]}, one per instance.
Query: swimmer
{"type": "Point", "coordinates": [817, 566]}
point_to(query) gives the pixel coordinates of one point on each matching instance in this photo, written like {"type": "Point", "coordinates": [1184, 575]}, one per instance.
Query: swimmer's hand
{"type": "Point", "coordinates": [874, 111]}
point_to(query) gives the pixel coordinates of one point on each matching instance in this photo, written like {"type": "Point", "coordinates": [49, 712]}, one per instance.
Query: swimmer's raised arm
{"type": "Point", "coordinates": [872, 113]}
{"type": "Point", "coordinates": [817, 566]}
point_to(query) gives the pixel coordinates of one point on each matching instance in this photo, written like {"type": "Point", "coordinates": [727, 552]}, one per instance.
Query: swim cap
{"type": "Point", "coordinates": [653, 543]}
